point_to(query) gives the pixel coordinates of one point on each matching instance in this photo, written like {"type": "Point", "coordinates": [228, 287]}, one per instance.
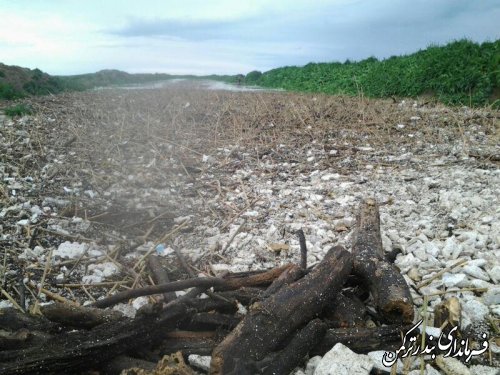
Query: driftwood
{"type": "Point", "coordinates": [74, 351]}
{"type": "Point", "coordinates": [388, 287]}
{"type": "Point", "coordinates": [271, 321]}
{"type": "Point", "coordinates": [160, 276]}
{"type": "Point", "coordinates": [362, 340]}
{"type": "Point", "coordinates": [78, 317]}
{"type": "Point", "coordinates": [346, 311]}
{"type": "Point", "coordinates": [292, 312]}
{"type": "Point", "coordinates": [264, 278]}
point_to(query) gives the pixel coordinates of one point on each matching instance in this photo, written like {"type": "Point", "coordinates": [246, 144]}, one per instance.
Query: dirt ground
{"type": "Point", "coordinates": [92, 182]}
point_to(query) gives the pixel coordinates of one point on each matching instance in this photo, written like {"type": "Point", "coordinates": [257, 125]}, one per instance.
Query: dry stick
{"type": "Point", "coordinates": [233, 236]}
{"type": "Point", "coordinates": [303, 249]}
{"type": "Point", "coordinates": [12, 300]}
{"type": "Point", "coordinates": [192, 275]}
{"type": "Point", "coordinates": [160, 276]}
{"type": "Point", "coordinates": [162, 288]}
{"type": "Point", "coordinates": [435, 276]}
{"type": "Point", "coordinates": [165, 237]}
{"type": "Point", "coordinates": [103, 283]}
{"type": "Point", "coordinates": [4, 266]}
{"type": "Point", "coordinates": [264, 278]}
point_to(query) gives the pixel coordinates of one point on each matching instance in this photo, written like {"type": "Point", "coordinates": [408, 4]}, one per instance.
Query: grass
{"type": "Point", "coordinates": [459, 73]}
{"type": "Point", "coordinates": [17, 110]}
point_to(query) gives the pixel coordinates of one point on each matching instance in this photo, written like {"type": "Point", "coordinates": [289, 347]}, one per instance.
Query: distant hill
{"type": "Point", "coordinates": [16, 82]}
{"type": "Point", "coordinates": [110, 77]}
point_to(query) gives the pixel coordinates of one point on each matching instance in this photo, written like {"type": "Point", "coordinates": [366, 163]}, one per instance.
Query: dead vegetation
{"type": "Point", "coordinates": [126, 170]}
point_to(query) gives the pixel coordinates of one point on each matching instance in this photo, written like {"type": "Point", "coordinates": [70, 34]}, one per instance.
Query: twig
{"type": "Point", "coordinates": [233, 236]}
{"type": "Point", "coordinates": [165, 237]}
{"type": "Point", "coordinates": [162, 288]}
{"type": "Point", "coordinates": [438, 274]}
{"type": "Point", "coordinates": [12, 300]}
{"type": "Point", "coordinates": [264, 278]}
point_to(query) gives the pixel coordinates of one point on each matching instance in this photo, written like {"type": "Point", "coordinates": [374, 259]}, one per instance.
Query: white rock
{"type": "Point", "coordinates": [71, 250]}
{"type": "Point", "coordinates": [457, 279]}
{"type": "Point", "coordinates": [125, 309]}
{"type": "Point", "coordinates": [451, 247]}
{"type": "Point", "coordinates": [340, 360]}
{"type": "Point", "coordinates": [429, 370]}
{"type": "Point", "coordinates": [200, 361]}
{"type": "Point", "coordinates": [495, 274]}
{"type": "Point", "coordinates": [91, 279]}
{"type": "Point", "coordinates": [492, 296]}
{"type": "Point", "coordinates": [406, 261]}
{"type": "Point", "coordinates": [452, 366]}
{"type": "Point", "coordinates": [475, 310]}
{"type": "Point", "coordinates": [476, 272]}
{"type": "Point", "coordinates": [432, 249]}
{"type": "Point", "coordinates": [377, 357]}
{"type": "Point", "coordinates": [312, 364]}
{"type": "Point", "coordinates": [478, 283]}
{"type": "Point", "coordinates": [483, 370]}
{"type": "Point", "coordinates": [138, 302]}
{"type": "Point", "coordinates": [495, 309]}
{"type": "Point", "coordinates": [477, 262]}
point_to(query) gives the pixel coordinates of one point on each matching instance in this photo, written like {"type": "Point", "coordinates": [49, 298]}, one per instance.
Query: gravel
{"type": "Point", "coordinates": [236, 202]}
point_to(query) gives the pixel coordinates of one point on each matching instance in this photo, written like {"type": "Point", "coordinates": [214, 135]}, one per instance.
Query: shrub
{"type": "Point", "coordinates": [8, 92]}
{"type": "Point", "coordinates": [18, 110]}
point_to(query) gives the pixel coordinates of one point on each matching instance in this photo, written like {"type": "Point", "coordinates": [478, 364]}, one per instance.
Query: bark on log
{"type": "Point", "coordinates": [78, 317]}
{"type": "Point", "coordinates": [363, 340]}
{"type": "Point", "coordinates": [75, 351]}
{"type": "Point", "coordinates": [346, 311]}
{"type": "Point", "coordinates": [388, 287]}
{"type": "Point", "coordinates": [274, 319]}
{"type": "Point", "coordinates": [293, 354]}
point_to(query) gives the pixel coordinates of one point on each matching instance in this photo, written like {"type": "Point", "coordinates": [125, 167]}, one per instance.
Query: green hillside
{"type": "Point", "coordinates": [16, 82]}
{"type": "Point", "coordinates": [461, 72]}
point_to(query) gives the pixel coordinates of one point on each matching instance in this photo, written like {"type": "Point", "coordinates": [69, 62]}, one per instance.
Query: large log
{"type": "Point", "coordinates": [76, 351]}
{"type": "Point", "coordinates": [388, 287]}
{"type": "Point", "coordinates": [271, 321]}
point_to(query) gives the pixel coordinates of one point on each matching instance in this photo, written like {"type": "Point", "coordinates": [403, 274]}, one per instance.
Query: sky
{"type": "Point", "coordinates": [229, 36]}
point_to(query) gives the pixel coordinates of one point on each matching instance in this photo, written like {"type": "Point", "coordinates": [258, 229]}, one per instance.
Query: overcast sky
{"type": "Point", "coordinates": [228, 36]}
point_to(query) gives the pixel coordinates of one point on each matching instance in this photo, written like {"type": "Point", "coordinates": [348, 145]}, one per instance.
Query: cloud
{"type": "Point", "coordinates": [226, 36]}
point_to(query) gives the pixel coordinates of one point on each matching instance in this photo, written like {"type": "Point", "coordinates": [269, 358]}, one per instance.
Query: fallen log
{"type": "Point", "coordinates": [388, 287]}
{"type": "Point", "coordinates": [284, 361]}
{"type": "Point", "coordinates": [272, 320]}
{"type": "Point", "coordinates": [77, 316]}
{"type": "Point", "coordinates": [345, 311]}
{"type": "Point", "coordinates": [76, 351]}
{"type": "Point", "coordinates": [362, 340]}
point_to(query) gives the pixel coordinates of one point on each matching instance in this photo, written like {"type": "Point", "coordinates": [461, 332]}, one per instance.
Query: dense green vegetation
{"type": "Point", "coordinates": [17, 110]}
{"type": "Point", "coordinates": [17, 82]}
{"type": "Point", "coordinates": [462, 72]}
